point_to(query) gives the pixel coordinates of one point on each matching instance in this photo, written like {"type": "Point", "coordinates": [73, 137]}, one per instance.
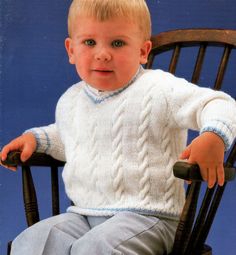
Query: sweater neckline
{"type": "Point", "coordinates": [99, 96]}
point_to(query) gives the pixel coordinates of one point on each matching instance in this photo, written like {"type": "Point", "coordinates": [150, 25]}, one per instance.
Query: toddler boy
{"type": "Point", "coordinates": [120, 130]}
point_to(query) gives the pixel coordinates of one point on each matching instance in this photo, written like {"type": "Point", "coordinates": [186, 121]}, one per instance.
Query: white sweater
{"type": "Point", "coordinates": [120, 146]}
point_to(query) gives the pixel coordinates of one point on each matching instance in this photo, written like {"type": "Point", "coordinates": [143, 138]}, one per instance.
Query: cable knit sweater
{"type": "Point", "coordinates": [120, 146]}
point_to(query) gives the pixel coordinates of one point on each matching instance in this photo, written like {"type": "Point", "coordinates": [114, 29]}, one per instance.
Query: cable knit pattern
{"type": "Point", "coordinates": [117, 153]}
{"type": "Point", "coordinates": [120, 151]}
{"type": "Point", "coordinates": [169, 187]}
{"type": "Point", "coordinates": [142, 144]}
{"type": "Point", "coordinates": [94, 155]}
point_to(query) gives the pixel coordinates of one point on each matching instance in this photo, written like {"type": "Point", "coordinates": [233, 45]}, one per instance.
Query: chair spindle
{"type": "Point", "coordinates": [30, 198]}
{"type": "Point", "coordinates": [210, 217]}
{"type": "Point", "coordinates": [222, 67]}
{"type": "Point", "coordinates": [55, 191]}
{"type": "Point", "coordinates": [187, 218]}
{"type": "Point", "coordinates": [196, 231]}
{"type": "Point", "coordinates": [199, 63]}
{"type": "Point", "coordinates": [174, 59]}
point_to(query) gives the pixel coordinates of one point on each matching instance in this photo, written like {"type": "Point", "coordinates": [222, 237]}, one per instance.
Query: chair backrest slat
{"type": "Point", "coordinates": [222, 68]}
{"type": "Point", "coordinates": [199, 63]}
{"type": "Point", "coordinates": [174, 59]}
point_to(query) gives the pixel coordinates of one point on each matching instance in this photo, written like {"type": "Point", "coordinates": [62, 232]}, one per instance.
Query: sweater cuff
{"type": "Point", "coordinates": [42, 139]}
{"type": "Point", "coordinates": [221, 129]}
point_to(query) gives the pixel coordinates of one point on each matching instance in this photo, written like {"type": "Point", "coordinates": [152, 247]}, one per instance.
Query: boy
{"type": "Point", "coordinates": [120, 130]}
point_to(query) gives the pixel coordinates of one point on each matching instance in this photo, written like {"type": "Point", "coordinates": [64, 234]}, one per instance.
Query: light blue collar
{"type": "Point", "coordinates": [99, 96]}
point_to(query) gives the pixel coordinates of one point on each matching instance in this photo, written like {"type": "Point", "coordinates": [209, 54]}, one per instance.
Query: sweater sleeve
{"type": "Point", "coordinates": [48, 141]}
{"type": "Point", "coordinates": [224, 125]}
{"type": "Point", "coordinates": [202, 109]}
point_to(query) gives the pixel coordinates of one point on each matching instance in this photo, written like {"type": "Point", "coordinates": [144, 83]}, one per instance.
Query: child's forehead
{"type": "Point", "coordinates": [116, 22]}
{"type": "Point", "coordinates": [113, 19]}
{"type": "Point", "coordinates": [114, 27]}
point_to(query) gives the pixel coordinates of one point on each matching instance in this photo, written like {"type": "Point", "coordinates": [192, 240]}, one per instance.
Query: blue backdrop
{"type": "Point", "coordinates": [34, 72]}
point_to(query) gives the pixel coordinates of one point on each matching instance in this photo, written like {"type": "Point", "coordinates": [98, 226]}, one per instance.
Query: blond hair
{"type": "Point", "coordinates": [102, 10]}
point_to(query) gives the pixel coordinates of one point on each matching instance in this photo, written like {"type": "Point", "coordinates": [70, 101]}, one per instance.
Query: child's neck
{"type": "Point", "coordinates": [137, 74]}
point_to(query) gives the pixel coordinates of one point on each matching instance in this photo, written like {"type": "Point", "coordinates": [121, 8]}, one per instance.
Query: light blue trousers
{"type": "Point", "coordinates": [72, 234]}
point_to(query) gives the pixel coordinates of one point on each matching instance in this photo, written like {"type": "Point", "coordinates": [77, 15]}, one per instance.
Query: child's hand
{"type": "Point", "coordinates": [25, 143]}
{"type": "Point", "coordinates": [207, 150]}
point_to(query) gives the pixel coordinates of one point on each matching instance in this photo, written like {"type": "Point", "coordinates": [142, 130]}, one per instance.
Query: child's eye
{"type": "Point", "coordinates": [89, 42]}
{"type": "Point", "coordinates": [117, 43]}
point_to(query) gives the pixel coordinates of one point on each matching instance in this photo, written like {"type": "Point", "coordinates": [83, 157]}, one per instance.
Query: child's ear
{"type": "Point", "coordinates": [70, 50]}
{"type": "Point", "coordinates": [145, 50]}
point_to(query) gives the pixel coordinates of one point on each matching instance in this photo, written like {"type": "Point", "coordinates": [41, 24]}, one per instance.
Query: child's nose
{"type": "Point", "coordinates": [103, 55]}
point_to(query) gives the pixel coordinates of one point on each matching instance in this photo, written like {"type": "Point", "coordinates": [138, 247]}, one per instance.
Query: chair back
{"type": "Point", "coordinates": [197, 45]}
{"type": "Point", "coordinates": [202, 40]}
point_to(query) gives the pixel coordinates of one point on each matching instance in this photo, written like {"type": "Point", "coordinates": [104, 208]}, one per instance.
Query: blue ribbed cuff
{"type": "Point", "coordinates": [222, 130]}
{"type": "Point", "coordinates": [42, 139]}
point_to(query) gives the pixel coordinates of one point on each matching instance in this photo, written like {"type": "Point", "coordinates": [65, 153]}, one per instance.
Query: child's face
{"type": "Point", "coordinates": [106, 54]}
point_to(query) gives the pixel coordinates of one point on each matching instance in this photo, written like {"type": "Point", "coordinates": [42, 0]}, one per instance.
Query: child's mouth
{"type": "Point", "coordinates": [103, 72]}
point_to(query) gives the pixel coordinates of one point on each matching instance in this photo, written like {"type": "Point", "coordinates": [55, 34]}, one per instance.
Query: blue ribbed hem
{"type": "Point", "coordinates": [113, 211]}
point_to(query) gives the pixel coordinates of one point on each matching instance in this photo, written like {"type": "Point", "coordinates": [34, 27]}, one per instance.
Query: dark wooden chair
{"type": "Point", "coordinates": [195, 223]}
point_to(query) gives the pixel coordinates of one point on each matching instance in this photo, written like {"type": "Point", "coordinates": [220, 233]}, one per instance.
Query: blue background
{"type": "Point", "coordinates": [34, 72]}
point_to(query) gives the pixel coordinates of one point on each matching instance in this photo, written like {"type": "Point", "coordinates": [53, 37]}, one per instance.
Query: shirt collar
{"type": "Point", "coordinates": [98, 96]}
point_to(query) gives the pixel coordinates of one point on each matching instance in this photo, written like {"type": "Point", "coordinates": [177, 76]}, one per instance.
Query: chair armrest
{"type": "Point", "coordinates": [191, 172]}
{"type": "Point", "coordinates": [182, 170]}
{"type": "Point", "coordinates": [37, 159]}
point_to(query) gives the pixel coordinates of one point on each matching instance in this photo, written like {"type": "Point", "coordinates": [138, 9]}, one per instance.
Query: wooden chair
{"type": "Point", "coordinates": [194, 224]}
